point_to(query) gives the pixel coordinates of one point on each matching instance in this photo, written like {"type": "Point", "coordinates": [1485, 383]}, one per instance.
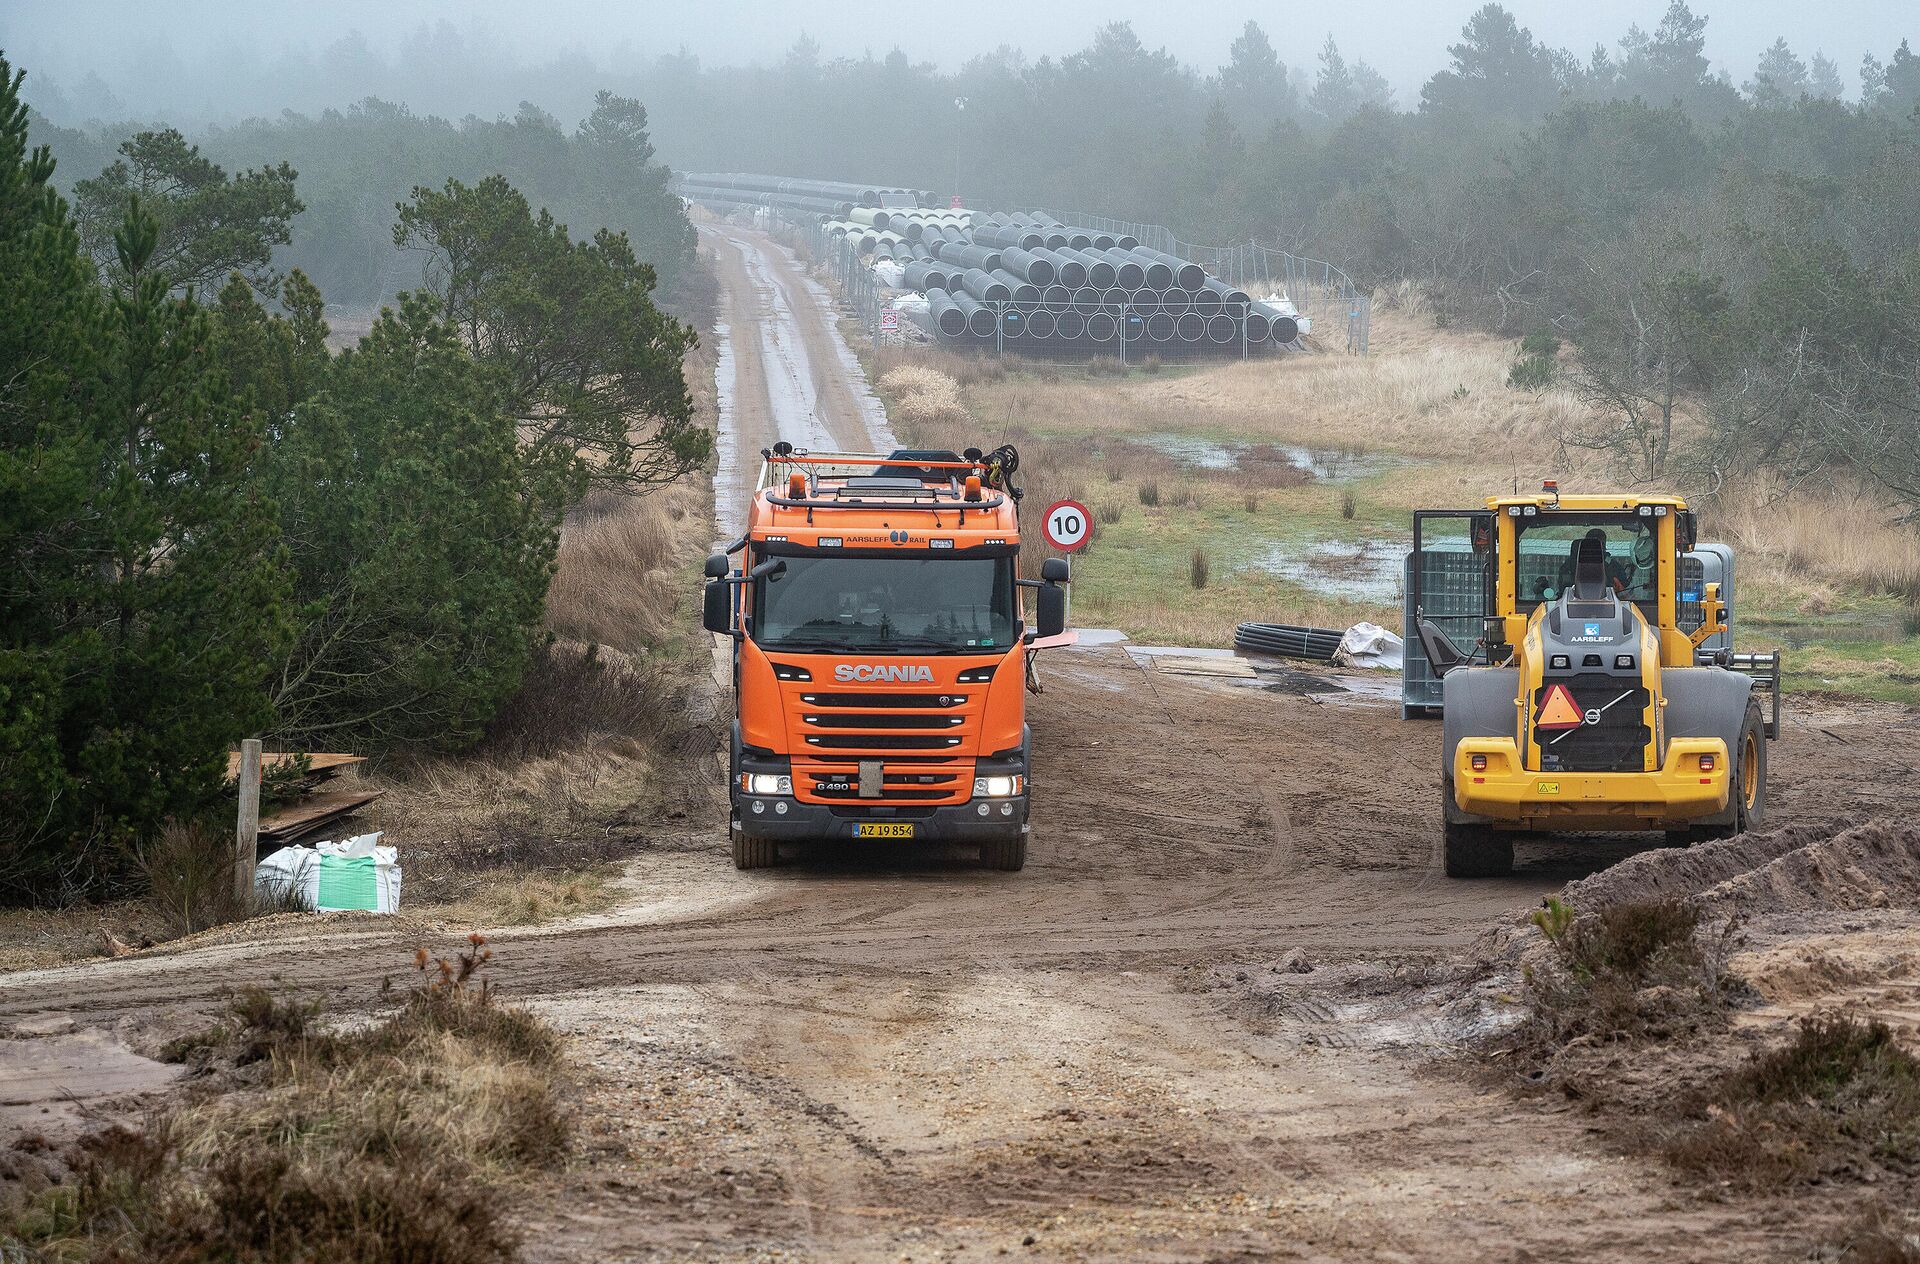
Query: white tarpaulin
{"type": "Point", "coordinates": [1370, 645]}
{"type": "Point", "coordinates": [357, 874]}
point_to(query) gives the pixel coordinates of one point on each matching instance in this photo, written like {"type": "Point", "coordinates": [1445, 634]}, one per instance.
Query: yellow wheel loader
{"type": "Point", "coordinates": [1583, 705]}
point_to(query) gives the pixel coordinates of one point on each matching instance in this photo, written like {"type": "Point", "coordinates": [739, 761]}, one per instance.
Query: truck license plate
{"type": "Point", "coordinates": [883, 829]}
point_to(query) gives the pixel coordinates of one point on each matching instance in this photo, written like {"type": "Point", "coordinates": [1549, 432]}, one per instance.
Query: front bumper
{"type": "Point", "coordinates": [1509, 794]}
{"type": "Point", "coordinates": [806, 822]}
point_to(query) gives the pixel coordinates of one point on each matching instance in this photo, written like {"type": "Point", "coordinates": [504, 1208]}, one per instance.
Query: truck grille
{"type": "Point", "coordinates": [1617, 742]}
{"type": "Point", "coordinates": [925, 741]}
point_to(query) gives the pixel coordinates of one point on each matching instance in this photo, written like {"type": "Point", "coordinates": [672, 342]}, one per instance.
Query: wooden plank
{"type": "Point", "coordinates": [322, 764]}
{"type": "Point", "coordinates": [314, 811]}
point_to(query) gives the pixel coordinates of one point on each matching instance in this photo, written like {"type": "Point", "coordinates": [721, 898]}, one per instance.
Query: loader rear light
{"type": "Point", "coordinates": [1623, 662]}
{"type": "Point", "coordinates": [1560, 662]}
{"type": "Point", "coordinates": [1706, 763]}
{"type": "Point", "coordinates": [1479, 763]}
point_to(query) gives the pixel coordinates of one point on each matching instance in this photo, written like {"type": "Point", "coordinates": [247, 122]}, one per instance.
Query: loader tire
{"type": "Point", "coordinates": [751, 852]}
{"type": "Point", "coordinates": [1005, 853]}
{"type": "Point", "coordinates": [1749, 781]}
{"type": "Point", "coordinates": [1473, 850]}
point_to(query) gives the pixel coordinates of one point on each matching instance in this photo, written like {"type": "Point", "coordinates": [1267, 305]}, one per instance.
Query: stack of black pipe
{"type": "Point", "coordinates": [1025, 280]}
{"type": "Point", "coordinates": [1028, 281]}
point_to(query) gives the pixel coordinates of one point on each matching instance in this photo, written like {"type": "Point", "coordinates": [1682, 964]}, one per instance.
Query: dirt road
{"type": "Point", "coordinates": [785, 372]}
{"type": "Point", "coordinates": [1199, 1026]}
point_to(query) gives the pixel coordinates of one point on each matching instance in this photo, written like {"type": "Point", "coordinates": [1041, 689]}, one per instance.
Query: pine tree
{"type": "Point", "coordinates": [143, 598]}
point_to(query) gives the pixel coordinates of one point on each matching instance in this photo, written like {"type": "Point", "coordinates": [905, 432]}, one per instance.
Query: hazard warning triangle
{"type": "Point", "coordinates": [1558, 710]}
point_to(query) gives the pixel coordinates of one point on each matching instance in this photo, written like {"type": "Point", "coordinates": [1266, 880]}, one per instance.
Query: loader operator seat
{"type": "Point", "coordinates": [1590, 570]}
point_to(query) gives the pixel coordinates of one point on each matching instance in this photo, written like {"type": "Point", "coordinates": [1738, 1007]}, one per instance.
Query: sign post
{"type": "Point", "coordinates": [246, 834]}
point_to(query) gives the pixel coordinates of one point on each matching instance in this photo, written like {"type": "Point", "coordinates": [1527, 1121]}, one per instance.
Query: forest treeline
{"type": "Point", "coordinates": [214, 525]}
{"type": "Point", "coordinates": [1657, 231]}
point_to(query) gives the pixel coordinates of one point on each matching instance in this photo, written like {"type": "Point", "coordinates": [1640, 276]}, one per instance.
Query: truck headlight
{"type": "Point", "coordinates": [765, 783]}
{"type": "Point", "coordinates": [997, 787]}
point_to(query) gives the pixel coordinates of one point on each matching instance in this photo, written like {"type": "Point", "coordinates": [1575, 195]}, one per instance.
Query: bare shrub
{"type": "Point", "coordinates": [1198, 569]}
{"type": "Point", "coordinates": [1347, 505]}
{"type": "Point", "coordinates": [1151, 364]}
{"type": "Point", "coordinates": [1253, 502]}
{"type": "Point", "coordinates": [1106, 366]}
{"type": "Point", "coordinates": [1184, 497]}
{"type": "Point", "coordinates": [1150, 492]}
{"type": "Point", "coordinates": [1839, 1098]}
{"type": "Point", "coordinates": [1109, 512]}
{"type": "Point", "coordinates": [188, 867]}
{"type": "Point", "coordinates": [1627, 972]}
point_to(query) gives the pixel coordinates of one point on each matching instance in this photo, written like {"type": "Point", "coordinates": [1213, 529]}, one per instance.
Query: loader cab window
{"type": "Point", "coordinates": [1548, 546]}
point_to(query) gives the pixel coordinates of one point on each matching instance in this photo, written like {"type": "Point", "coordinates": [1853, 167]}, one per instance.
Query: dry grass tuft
{"type": "Point", "coordinates": [392, 1141]}
{"type": "Point", "coordinates": [923, 397]}
{"type": "Point", "coordinates": [1150, 493]}
{"type": "Point", "coordinates": [1197, 569]}
{"type": "Point", "coordinates": [625, 576]}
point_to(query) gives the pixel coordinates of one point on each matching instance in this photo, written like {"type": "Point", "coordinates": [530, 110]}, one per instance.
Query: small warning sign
{"type": "Point", "coordinates": [1558, 710]}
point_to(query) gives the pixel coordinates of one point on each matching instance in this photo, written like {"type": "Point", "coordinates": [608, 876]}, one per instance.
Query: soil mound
{"type": "Point", "coordinates": [1871, 865]}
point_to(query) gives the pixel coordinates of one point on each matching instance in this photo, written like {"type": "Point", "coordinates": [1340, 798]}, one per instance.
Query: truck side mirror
{"type": "Point", "coordinates": [1051, 617]}
{"type": "Point", "coordinates": [717, 617]}
{"type": "Point", "coordinates": [1055, 570]}
{"type": "Point", "coordinates": [717, 566]}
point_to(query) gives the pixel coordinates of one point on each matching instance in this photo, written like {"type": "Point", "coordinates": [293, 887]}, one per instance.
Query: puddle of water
{"type": "Point", "coordinates": [1325, 465]}
{"type": "Point", "coordinates": [1368, 570]}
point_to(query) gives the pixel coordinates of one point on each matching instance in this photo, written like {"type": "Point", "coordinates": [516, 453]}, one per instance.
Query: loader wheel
{"type": "Point", "coordinates": [1750, 770]}
{"type": "Point", "coordinates": [1005, 853]}
{"type": "Point", "coordinates": [1749, 789]}
{"type": "Point", "coordinates": [751, 852]}
{"type": "Point", "coordinates": [1473, 850]}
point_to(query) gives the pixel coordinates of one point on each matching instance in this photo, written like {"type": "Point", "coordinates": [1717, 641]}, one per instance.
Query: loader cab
{"type": "Point", "coordinates": [1481, 576]}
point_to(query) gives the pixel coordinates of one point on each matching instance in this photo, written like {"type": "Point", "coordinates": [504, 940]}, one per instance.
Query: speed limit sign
{"type": "Point", "coordinates": [1067, 525]}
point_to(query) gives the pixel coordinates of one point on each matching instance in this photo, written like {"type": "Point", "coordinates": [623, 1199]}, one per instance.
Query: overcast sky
{"type": "Point", "coordinates": [1405, 39]}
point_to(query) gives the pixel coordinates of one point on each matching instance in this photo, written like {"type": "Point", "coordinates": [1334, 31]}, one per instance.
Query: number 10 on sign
{"type": "Point", "coordinates": [1067, 525]}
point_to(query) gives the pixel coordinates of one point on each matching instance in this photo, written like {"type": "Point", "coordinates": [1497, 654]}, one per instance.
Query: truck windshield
{"type": "Point", "coordinates": [1549, 543]}
{"type": "Point", "coordinates": [910, 604]}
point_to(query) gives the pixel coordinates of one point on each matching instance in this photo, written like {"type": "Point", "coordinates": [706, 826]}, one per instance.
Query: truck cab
{"type": "Point", "coordinates": [879, 653]}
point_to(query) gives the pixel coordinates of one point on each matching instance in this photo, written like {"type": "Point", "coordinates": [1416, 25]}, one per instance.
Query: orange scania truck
{"type": "Point", "coordinates": [879, 652]}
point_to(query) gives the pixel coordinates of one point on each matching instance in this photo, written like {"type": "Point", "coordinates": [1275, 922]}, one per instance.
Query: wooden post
{"type": "Point", "coordinates": [246, 835]}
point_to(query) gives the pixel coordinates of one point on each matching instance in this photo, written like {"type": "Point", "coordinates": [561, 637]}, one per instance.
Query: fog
{"type": "Point", "coordinates": [195, 62]}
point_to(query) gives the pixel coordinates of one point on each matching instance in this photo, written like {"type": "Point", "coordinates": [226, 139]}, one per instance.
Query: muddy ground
{"type": "Point", "coordinates": [1217, 1017]}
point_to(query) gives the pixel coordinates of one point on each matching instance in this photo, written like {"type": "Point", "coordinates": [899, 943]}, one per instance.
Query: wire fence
{"type": "Point", "coordinates": [1132, 329]}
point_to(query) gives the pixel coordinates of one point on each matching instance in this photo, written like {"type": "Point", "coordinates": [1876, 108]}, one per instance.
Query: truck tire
{"type": "Point", "coordinates": [1749, 781]}
{"type": "Point", "coordinates": [751, 852]}
{"type": "Point", "coordinates": [1005, 853]}
{"type": "Point", "coordinates": [1473, 850]}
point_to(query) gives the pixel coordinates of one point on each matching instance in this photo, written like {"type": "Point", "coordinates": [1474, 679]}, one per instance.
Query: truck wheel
{"type": "Point", "coordinates": [750, 852]}
{"type": "Point", "coordinates": [1474, 850]}
{"type": "Point", "coordinates": [1005, 853]}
